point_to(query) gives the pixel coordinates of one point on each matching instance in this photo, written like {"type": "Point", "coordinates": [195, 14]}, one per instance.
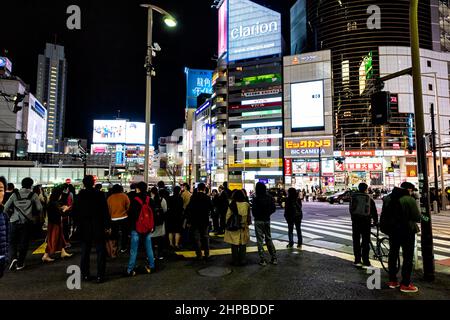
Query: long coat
{"type": "Point", "coordinates": [242, 236]}
{"type": "Point", "coordinates": [4, 234]}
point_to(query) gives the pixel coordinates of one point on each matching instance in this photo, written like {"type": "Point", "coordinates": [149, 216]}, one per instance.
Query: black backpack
{"type": "Point", "coordinates": [360, 205]}
{"type": "Point", "coordinates": [159, 215]}
{"type": "Point", "coordinates": [234, 223]}
{"type": "Point", "coordinates": [391, 214]}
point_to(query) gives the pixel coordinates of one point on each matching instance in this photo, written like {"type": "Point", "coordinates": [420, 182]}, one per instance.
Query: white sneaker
{"type": "Point", "coordinates": [13, 265]}
{"type": "Point", "coordinates": [21, 267]}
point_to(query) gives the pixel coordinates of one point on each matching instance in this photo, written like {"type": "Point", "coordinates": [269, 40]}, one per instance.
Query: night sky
{"type": "Point", "coordinates": [106, 57]}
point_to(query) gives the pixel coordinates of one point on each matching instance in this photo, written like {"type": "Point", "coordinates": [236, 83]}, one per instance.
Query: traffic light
{"type": "Point", "coordinates": [381, 107]}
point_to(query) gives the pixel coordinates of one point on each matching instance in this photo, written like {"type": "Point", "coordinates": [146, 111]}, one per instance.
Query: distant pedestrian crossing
{"type": "Point", "coordinates": [339, 230]}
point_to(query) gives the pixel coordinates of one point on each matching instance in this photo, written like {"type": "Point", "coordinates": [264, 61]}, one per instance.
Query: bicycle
{"type": "Point", "coordinates": [381, 249]}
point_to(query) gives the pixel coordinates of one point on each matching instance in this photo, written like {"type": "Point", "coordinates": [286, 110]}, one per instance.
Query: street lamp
{"type": "Point", "coordinates": [343, 145]}
{"type": "Point", "coordinates": [170, 21]}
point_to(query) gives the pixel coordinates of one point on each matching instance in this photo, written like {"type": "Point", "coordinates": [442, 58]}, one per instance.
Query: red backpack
{"type": "Point", "coordinates": [145, 222]}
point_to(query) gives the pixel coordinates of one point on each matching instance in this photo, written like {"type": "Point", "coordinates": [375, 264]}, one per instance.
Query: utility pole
{"type": "Point", "coordinates": [320, 169]}
{"type": "Point", "coordinates": [427, 233]}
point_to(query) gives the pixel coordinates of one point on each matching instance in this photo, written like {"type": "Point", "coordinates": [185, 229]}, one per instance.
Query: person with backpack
{"type": "Point", "coordinates": [94, 225]}
{"type": "Point", "coordinates": [4, 229]}
{"type": "Point", "coordinates": [25, 205]}
{"type": "Point", "coordinates": [293, 214]}
{"type": "Point", "coordinates": [363, 211]}
{"type": "Point", "coordinates": [142, 225]}
{"type": "Point", "coordinates": [263, 206]}
{"type": "Point", "coordinates": [238, 235]}
{"type": "Point", "coordinates": [399, 218]}
{"type": "Point", "coordinates": [159, 213]}
{"type": "Point", "coordinates": [198, 212]}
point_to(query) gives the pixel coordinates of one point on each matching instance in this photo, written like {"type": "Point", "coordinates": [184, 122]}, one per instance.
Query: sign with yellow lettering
{"type": "Point", "coordinates": [308, 147]}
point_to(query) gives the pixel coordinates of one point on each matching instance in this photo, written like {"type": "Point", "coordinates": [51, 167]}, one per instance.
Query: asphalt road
{"type": "Point", "coordinates": [318, 272]}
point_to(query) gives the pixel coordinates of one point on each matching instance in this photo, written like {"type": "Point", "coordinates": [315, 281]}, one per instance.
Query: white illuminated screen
{"type": "Point", "coordinates": [307, 107]}
{"type": "Point", "coordinates": [136, 133]}
{"type": "Point", "coordinates": [109, 131]}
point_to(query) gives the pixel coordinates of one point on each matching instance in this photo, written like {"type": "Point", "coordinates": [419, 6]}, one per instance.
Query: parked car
{"type": "Point", "coordinates": [324, 196]}
{"type": "Point", "coordinates": [340, 197]}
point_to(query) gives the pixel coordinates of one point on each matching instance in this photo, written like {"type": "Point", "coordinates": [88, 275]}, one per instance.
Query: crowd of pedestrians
{"type": "Point", "coordinates": [117, 223]}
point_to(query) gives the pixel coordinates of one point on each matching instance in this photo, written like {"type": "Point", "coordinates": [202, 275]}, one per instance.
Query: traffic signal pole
{"type": "Point", "coordinates": [426, 234]}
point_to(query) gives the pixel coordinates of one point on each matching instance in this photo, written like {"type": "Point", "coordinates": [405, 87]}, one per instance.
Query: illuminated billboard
{"type": "Point", "coordinates": [198, 81]}
{"type": "Point", "coordinates": [253, 30]}
{"type": "Point", "coordinates": [223, 28]}
{"type": "Point", "coordinates": [307, 106]}
{"type": "Point", "coordinates": [136, 133]}
{"type": "Point", "coordinates": [36, 126]}
{"type": "Point", "coordinates": [109, 131]}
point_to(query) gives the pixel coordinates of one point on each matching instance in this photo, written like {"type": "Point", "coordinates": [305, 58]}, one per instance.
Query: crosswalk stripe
{"type": "Point", "coordinates": [305, 234]}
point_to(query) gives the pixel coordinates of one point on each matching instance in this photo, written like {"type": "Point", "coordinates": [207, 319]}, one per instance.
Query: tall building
{"type": "Point", "coordinates": [360, 53]}
{"type": "Point", "coordinates": [51, 89]}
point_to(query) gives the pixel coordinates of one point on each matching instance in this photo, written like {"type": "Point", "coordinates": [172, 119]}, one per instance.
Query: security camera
{"type": "Point", "coordinates": [156, 47]}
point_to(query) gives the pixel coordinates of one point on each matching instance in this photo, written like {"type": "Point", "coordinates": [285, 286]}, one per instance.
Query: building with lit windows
{"type": "Point", "coordinates": [51, 89]}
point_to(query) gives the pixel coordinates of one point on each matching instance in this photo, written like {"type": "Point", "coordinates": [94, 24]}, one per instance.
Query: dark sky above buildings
{"type": "Point", "coordinates": [106, 57]}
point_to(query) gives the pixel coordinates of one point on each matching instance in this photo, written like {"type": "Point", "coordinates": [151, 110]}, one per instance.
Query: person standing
{"type": "Point", "coordinates": [186, 195]}
{"type": "Point", "coordinates": [118, 206]}
{"type": "Point", "coordinates": [4, 229]}
{"type": "Point", "coordinates": [239, 238]}
{"type": "Point", "coordinates": [198, 212]}
{"type": "Point", "coordinates": [222, 207]}
{"type": "Point", "coordinates": [25, 204]}
{"type": "Point", "coordinates": [95, 224]}
{"type": "Point", "coordinates": [8, 192]}
{"type": "Point", "coordinates": [136, 205]}
{"type": "Point", "coordinates": [215, 216]}
{"type": "Point", "coordinates": [293, 214]}
{"type": "Point", "coordinates": [263, 206]}
{"type": "Point", "coordinates": [404, 215]}
{"type": "Point", "coordinates": [363, 211]}
{"type": "Point", "coordinates": [175, 218]}
{"type": "Point", "coordinates": [55, 237]}
{"type": "Point", "coordinates": [159, 212]}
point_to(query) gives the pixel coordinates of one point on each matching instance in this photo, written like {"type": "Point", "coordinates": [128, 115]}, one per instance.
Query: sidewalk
{"type": "Point", "coordinates": [311, 274]}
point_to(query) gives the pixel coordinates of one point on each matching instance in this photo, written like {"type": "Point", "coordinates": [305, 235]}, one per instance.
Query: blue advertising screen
{"type": "Point", "coordinates": [253, 30]}
{"type": "Point", "coordinates": [198, 81]}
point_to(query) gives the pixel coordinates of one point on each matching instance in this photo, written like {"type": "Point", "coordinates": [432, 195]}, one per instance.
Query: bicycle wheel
{"type": "Point", "coordinates": [383, 245]}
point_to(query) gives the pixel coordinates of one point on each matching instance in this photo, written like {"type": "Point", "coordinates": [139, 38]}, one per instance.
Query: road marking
{"type": "Point", "coordinates": [305, 234]}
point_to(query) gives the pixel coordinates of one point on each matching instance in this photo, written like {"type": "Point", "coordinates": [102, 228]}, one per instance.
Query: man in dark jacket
{"type": "Point", "coordinates": [91, 209]}
{"type": "Point", "coordinates": [222, 209]}
{"type": "Point", "coordinates": [263, 206]}
{"type": "Point", "coordinates": [198, 212]}
{"type": "Point", "coordinates": [402, 234]}
{"type": "Point", "coordinates": [362, 210]}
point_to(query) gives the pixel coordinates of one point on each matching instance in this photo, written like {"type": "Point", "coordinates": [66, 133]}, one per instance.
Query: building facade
{"type": "Point", "coordinates": [51, 90]}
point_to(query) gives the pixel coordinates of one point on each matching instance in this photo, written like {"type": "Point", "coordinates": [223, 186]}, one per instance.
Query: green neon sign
{"type": "Point", "coordinates": [261, 113]}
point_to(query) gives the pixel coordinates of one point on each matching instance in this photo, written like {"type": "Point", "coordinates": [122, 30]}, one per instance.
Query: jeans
{"type": "Point", "coordinates": [201, 240]}
{"type": "Point", "coordinates": [86, 247]}
{"type": "Point", "coordinates": [361, 248]}
{"type": "Point", "coordinates": [134, 250]}
{"type": "Point", "coordinates": [406, 242]}
{"type": "Point", "coordinates": [262, 230]}
{"type": "Point", "coordinates": [19, 241]}
{"type": "Point", "coordinates": [297, 222]}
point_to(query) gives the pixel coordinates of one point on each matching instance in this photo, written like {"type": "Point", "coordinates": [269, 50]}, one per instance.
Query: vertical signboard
{"type": "Point", "coordinates": [198, 81]}
{"type": "Point", "coordinates": [223, 29]}
{"type": "Point", "coordinates": [307, 106]}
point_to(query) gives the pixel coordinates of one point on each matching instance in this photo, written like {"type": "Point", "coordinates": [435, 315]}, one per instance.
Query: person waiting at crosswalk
{"type": "Point", "coordinates": [293, 214]}
{"type": "Point", "coordinates": [362, 210]}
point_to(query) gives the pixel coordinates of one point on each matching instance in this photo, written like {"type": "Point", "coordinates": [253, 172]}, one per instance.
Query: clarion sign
{"type": "Point", "coordinates": [254, 30]}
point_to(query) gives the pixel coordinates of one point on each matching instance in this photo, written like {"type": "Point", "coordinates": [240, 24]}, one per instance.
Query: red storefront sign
{"type": "Point", "coordinates": [359, 166]}
{"type": "Point", "coordinates": [288, 167]}
{"type": "Point", "coordinates": [360, 153]}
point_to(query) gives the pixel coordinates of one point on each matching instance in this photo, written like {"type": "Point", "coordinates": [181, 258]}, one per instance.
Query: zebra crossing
{"type": "Point", "coordinates": [338, 230]}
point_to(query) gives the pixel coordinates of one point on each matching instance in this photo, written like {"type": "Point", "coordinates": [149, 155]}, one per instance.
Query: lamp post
{"type": "Point", "coordinates": [170, 21]}
{"type": "Point", "coordinates": [343, 145]}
